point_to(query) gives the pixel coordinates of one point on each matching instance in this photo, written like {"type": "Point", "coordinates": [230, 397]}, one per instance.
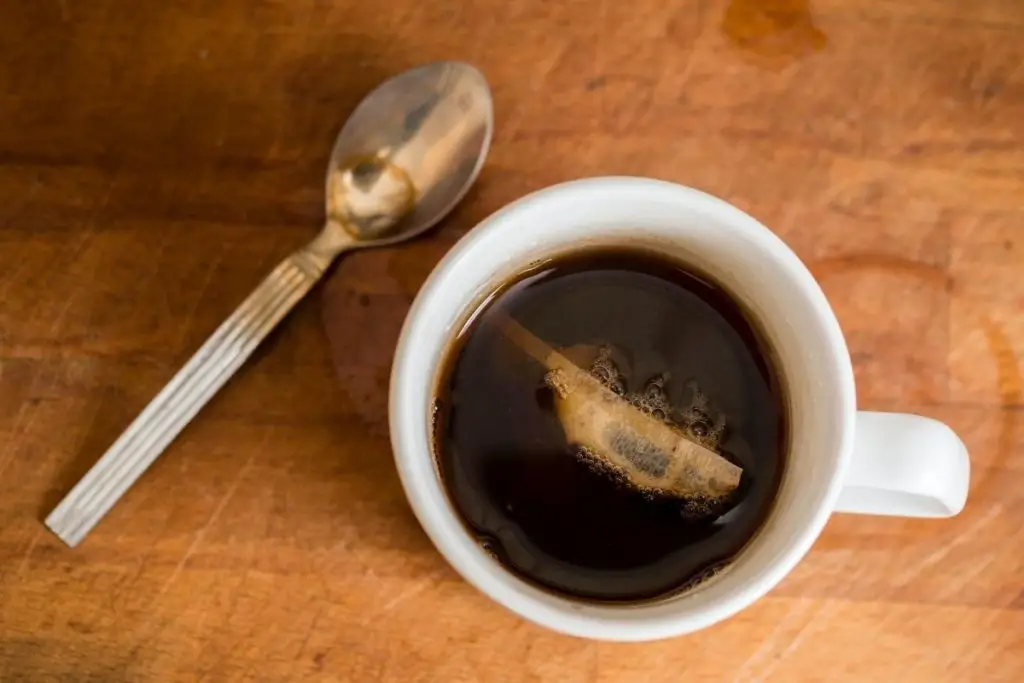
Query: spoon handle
{"type": "Point", "coordinates": [195, 384]}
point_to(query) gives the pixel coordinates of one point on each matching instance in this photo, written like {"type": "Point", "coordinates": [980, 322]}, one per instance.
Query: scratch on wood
{"type": "Point", "coordinates": [15, 436]}
{"type": "Point", "coordinates": [11, 274]}
{"type": "Point", "coordinates": [309, 632]}
{"type": "Point", "coordinates": [540, 83]}
{"type": "Point", "coordinates": [950, 590]}
{"type": "Point", "coordinates": [808, 628]}
{"type": "Point", "coordinates": [796, 612]}
{"type": "Point", "coordinates": [600, 58]}
{"type": "Point", "coordinates": [940, 554]}
{"type": "Point", "coordinates": [28, 553]}
{"type": "Point", "coordinates": [404, 596]}
{"type": "Point", "coordinates": [87, 235]}
{"type": "Point", "coordinates": [201, 533]}
{"type": "Point", "coordinates": [366, 565]}
{"type": "Point", "coordinates": [186, 322]}
{"type": "Point", "coordinates": [705, 31]}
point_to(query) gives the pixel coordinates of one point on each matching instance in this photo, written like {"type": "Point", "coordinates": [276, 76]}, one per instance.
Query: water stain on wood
{"type": "Point", "coordinates": [886, 262]}
{"type": "Point", "coordinates": [775, 33]}
{"type": "Point", "coordinates": [1009, 381]}
{"type": "Point", "coordinates": [1009, 378]}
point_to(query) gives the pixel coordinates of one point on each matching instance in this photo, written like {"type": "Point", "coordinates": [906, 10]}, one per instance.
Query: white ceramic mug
{"type": "Point", "coordinates": [841, 460]}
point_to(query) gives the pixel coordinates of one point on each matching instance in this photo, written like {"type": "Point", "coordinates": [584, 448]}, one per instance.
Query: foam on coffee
{"type": "Point", "coordinates": [630, 451]}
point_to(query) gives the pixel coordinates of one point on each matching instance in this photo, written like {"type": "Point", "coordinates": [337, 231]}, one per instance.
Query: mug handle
{"type": "Point", "coordinates": [905, 466]}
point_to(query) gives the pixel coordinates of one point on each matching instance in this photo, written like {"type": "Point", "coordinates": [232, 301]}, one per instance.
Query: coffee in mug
{"type": "Point", "coordinates": [615, 525]}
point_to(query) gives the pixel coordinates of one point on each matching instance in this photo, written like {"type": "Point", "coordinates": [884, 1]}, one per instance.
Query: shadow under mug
{"type": "Point", "coordinates": [840, 460]}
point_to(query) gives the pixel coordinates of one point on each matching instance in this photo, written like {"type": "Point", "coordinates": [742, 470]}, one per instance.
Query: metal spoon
{"type": "Point", "coordinates": [407, 155]}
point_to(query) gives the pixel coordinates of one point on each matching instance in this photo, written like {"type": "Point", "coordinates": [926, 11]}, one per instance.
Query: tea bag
{"type": "Point", "coordinates": [650, 454]}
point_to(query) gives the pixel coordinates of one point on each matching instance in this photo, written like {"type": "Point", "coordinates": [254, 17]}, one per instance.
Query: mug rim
{"type": "Point", "coordinates": [450, 537]}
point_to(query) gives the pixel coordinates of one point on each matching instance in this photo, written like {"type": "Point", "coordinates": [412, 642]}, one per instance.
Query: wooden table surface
{"type": "Point", "coordinates": [157, 158]}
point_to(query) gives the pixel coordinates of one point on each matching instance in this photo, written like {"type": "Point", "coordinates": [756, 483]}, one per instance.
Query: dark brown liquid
{"type": "Point", "coordinates": [548, 514]}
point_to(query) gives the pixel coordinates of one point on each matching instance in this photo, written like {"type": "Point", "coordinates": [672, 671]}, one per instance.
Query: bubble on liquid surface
{"type": "Point", "coordinates": [607, 372]}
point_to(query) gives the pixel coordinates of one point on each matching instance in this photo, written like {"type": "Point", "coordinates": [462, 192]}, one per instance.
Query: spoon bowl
{"type": "Point", "coordinates": [410, 152]}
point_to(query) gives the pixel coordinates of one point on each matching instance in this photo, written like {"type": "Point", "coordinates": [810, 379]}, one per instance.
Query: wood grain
{"type": "Point", "coordinates": [157, 158]}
